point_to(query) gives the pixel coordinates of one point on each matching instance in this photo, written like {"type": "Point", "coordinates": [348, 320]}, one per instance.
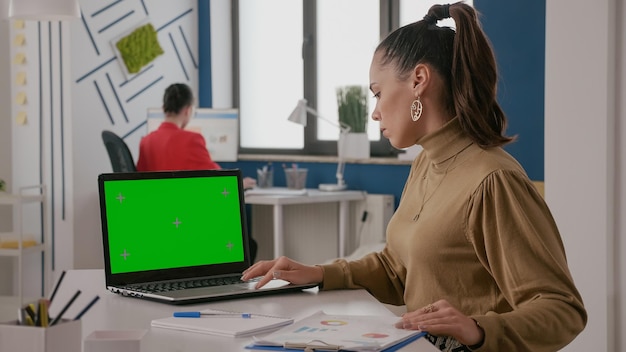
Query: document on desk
{"type": "Point", "coordinates": [222, 323]}
{"type": "Point", "coordinates": [322, 331]}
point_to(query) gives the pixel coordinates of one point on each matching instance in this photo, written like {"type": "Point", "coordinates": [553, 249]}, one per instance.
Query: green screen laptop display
{"type": "Point", "coordinates": [169, 223]}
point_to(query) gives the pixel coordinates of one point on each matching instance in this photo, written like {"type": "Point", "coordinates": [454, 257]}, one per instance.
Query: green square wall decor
{"type": "Point", "coordinates": [139, 48]}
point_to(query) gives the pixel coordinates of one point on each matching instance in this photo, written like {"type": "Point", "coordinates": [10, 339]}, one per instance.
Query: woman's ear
{"type": "Point", "coordinates": [420, 78]}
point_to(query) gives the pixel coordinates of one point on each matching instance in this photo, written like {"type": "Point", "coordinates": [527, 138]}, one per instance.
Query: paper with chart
{"type": "Point", "coordinates": [345, 332]}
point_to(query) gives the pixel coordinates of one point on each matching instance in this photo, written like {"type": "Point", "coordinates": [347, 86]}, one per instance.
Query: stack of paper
{"type": "Point", "coordinates": [321, 331]}
{"type": "Point", "coordinates": [215, 322]}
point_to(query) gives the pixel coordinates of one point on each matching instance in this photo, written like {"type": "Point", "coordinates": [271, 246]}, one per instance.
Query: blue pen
{"type": "Point", "coordinates": [198, 314]}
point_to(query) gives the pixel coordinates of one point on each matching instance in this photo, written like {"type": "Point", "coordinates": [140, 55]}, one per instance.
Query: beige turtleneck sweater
{"type": "Point", "coordinates": [472, 229]}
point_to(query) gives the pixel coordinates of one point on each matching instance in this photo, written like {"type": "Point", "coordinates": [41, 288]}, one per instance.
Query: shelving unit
{"type": "Point", "coordinates": [27, 195]}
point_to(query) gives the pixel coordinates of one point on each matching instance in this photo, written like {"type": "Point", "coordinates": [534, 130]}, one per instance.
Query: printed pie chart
{"type": "Point", "coordinates": [375, 335]}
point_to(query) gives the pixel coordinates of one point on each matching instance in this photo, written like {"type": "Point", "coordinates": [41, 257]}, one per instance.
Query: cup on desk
{"type": "Point", "coordinates": [296, 178]}
{"type": "Point", "coordinates": [66, 336]}
{"type": "Point", "coordinates": [265, 178]}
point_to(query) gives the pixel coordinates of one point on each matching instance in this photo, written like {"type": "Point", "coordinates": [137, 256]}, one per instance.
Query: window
{"type": "Point", "coordinates": [346, 40]}
{"type": "Point", "coordinates": [288, 50]}
{"type": "Point", "coordinates": [270, 73]}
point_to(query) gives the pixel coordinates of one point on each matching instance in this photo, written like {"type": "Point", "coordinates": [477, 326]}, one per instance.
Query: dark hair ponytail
{"type": "Point", "coordinates": [475, 79]}
{"type": "Point", "coordinates": [177, 96]}
{"type": "Point", "coordinates": [464, 59]}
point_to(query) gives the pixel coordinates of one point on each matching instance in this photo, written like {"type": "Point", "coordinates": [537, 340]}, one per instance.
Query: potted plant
{"type": "Point", "coordinates": [352, 109]}
{"type": "Point", "coordinates": [3, 185]}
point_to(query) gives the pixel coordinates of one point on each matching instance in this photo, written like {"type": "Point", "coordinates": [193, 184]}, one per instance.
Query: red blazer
{"type": "Point", "coordinates": [172, 148]}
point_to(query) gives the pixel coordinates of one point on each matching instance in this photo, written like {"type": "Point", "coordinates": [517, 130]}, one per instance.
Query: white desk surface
{"type": "Point", "coordinates": [312, 196]}
{"type": "Point", "coordinates": [114, 312]}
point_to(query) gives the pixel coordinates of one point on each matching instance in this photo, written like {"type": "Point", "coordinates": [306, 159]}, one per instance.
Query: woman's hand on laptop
{"type": "Point", "coordinates": [285, 269]}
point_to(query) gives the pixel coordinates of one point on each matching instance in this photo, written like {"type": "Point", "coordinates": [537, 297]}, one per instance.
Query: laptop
{"type": "Point", "coordinates": [177, 236]}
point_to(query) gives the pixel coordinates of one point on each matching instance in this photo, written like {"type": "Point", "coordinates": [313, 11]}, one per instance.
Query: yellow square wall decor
{"type": "Point", "coordinates": [139, 48]}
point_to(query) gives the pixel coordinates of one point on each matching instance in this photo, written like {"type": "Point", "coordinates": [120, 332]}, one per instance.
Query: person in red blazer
{"type": "Point", "coordinates": [171, 147]}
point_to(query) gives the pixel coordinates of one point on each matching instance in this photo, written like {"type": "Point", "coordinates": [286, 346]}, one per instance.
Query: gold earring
{"type": "Point", "coordinates": [416, 109]}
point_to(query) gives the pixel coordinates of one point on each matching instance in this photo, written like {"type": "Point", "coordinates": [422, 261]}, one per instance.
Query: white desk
{"type": "Point", "coordinates": [113, 312]}
{"type": "Point", "coordinates": [312, 196]}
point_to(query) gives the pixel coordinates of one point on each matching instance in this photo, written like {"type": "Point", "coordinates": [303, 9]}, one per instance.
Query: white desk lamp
{"type": "Point", "coordinates": [299, 116]}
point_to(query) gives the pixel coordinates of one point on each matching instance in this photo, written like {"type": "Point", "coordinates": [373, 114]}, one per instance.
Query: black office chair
{"type": "Point", "coordinates": [121, 158]}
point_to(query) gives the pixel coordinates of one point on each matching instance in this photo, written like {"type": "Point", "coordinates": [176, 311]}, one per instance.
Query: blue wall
{"type": "Point", "coordinates": [517, 31]}
{"type": "Point", "coordinates": [205, 89]}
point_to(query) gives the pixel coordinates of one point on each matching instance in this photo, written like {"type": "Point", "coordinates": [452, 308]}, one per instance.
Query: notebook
{"type": "Point", "coordinates": [223, 323]}
{"type": "Point", "coordinates": [177, 236]}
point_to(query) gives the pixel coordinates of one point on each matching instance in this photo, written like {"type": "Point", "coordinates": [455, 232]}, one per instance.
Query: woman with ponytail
{"type": "Point", "coordinates": [472, 250]}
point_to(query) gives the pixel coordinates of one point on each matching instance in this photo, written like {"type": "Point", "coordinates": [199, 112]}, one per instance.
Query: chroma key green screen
{"type": "Point", "coordinates": [173, 223]}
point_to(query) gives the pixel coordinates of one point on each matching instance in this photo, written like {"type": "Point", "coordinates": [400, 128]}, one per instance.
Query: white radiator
{"type": "Point", "coordinates": [311, 230]}
{"type": "Point", "coordinates": [371, 217]}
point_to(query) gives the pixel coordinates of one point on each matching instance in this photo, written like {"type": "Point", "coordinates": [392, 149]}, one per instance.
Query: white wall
{"type": "Point", "coordinates": [40, 143]}
{"type": "Point", "coordinates": [582, 159]}
{"type": "Point", "coordinates": [221, 54]}
{"type": "Point", "coordinates": [96, 89]}
{"type": "Point", "coordinates": [71, 99]}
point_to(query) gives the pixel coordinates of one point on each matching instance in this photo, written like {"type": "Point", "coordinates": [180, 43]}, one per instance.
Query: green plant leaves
{"type": "Point", "coordinates": [352, 107]}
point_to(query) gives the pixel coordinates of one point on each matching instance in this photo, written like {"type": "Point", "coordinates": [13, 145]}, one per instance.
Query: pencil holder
{"type": "Point", "coordinates": [65, 336]}
{"type": "Point", "coordinates": [265, 178]}
{"type": "Point", "coordinates": [296, 178]}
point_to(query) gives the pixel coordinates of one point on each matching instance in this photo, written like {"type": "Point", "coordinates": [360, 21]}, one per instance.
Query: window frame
{"type": "Point", "coordinates": [389, 20]}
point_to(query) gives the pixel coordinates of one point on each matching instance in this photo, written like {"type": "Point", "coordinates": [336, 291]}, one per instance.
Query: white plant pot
{"type": "Point", "coordinates": [354, 146]}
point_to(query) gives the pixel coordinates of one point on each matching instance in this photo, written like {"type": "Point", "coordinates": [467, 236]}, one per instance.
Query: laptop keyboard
{"type": "Point", "coordinates": [181, 285]}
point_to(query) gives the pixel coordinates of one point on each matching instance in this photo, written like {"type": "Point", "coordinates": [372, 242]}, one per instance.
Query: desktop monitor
{"type": "Point", "coordinates": [218, 126]}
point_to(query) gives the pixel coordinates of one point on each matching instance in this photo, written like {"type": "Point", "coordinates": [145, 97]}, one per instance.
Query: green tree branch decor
{"type": "Point", "coordinates": [139, 48]}
{"type": "Point", "coordinates": [352, 107]}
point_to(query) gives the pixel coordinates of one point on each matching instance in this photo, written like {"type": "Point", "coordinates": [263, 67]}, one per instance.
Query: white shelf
{"type": "Point", "coordinates": [26, 195]}
{"type": "Point", "coordinates": [12, 199]}
{"type": "Point", "coordinates": [15, 252]}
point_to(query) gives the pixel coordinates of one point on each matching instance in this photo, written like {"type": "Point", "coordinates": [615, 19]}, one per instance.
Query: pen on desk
{"type": "Point", "coordinates": [198, 314]}
{"type": "Point", "coordinates": [82, 312]}
{"type": "Point", "coordinates": [67, 305]}
{"type": "Point", "coordinates": [56, 287]}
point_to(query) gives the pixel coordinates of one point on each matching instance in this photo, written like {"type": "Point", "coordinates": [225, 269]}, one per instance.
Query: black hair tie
{"type": "Point", "coordinates": [431, 20]}
{"type": "Point", "coordinates": [446, 11]}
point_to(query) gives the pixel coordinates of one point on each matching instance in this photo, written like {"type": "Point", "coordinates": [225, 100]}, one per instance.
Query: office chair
{"type": "Point", "coordinates": [121, 158]}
